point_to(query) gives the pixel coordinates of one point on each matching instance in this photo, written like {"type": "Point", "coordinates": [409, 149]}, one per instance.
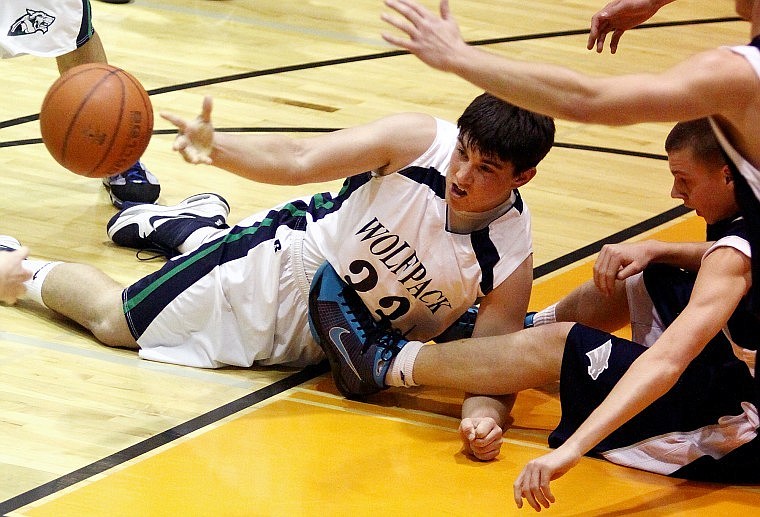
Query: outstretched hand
{"type": "Point", "coordinates": [13, 275]}
{"type": "Point", "coordinates": [195, 139]}
{"type": "Point", "coordinates": [533, 482]}
{"type": "Point", "coordinates": [617, 17]}
{"type": "Point", "coordinates": [481, 437]}
{"type": "Point", "coordinates": [432, 39]}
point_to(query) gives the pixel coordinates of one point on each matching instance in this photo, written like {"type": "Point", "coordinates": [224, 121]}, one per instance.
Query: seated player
{"type": "Point", "coordinates": [681, 403]}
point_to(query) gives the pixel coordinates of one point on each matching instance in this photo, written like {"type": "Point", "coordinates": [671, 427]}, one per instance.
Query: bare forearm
{"type": "Point", "coordinates": [551, 90]}
{"type": "Point", "coordinates": [498, 408]}
{"type": "Point", "coordinates": [269, 159]}
{"type": "Point", "coordinates": [686, 255]}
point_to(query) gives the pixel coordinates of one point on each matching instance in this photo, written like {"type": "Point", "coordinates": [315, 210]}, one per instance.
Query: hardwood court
{"type": "Point", "coordinates": [87, 430]}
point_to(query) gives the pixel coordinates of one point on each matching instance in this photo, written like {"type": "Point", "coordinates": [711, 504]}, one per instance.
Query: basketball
{"type": "Point", "coordinates": [96, 120]}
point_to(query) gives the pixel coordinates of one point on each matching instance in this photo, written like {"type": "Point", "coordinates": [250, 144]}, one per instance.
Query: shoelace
{"type": "Point", "coordinates": [157, 252]}
{"type": "Point", "coordinates": [378, 333]}
{"type": "Point", "coordinates": [135, 174]}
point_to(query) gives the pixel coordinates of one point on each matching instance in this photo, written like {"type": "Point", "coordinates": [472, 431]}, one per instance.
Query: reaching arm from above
{"type": "Point", "coordinates": [715, 82]}
{"type": "Point", "coordinates": [617, 17]}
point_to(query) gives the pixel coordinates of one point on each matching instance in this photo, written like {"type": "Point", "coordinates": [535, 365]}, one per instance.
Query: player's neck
{"type": "Point", "coordinates": [468, 222]}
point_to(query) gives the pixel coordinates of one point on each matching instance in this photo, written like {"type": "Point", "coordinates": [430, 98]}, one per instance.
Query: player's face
{"type": "Point", "coordinates": [476, 183]}
{"type": "Point", "coordinates": [708, 189]}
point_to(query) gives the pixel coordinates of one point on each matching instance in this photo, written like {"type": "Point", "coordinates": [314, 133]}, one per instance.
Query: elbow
{"type": "Point", "coordinates": [668, 375]}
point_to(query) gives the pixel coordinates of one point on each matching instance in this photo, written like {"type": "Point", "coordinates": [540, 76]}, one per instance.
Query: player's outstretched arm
{"type": "Point", "coordinates": [694, 88]}
{"type": "Point", "coordinates": [384, 145]}
{"type": "Point", "coordinates": [195, 138]}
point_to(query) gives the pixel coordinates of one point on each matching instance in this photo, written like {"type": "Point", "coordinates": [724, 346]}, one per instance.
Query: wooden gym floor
{"type": "Point", "coordinates": [87, 430]}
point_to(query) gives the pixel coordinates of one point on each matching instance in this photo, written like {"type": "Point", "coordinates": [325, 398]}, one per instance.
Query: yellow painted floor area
{"type": "Point", "coordinates": [311, 452]}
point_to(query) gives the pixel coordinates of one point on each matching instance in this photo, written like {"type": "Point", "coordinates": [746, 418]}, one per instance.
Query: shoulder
{"type": "Point", "coordinates": [730, 234]}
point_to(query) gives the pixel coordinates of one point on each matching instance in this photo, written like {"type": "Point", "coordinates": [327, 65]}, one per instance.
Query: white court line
{"type": "Point", "coordinates": [133, 362]}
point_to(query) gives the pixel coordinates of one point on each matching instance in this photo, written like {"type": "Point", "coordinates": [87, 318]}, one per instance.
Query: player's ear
{"type": "Point", "coordinates": [525, 176]}
{"type": "Point", "coordinates": [728, 176]}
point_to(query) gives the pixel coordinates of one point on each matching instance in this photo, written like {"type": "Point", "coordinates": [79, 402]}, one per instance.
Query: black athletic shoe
{"type": "Point", "coordinates": [461, 328]}
{"type": "Point", "coordinates": [163, 228]}
{"type": "Point", "coordinates": [135, 185]}
{"type": "Point", "coordinates": [358, 348]}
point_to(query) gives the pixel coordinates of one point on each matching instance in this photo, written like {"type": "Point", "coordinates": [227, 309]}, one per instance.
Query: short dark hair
{"type": "Point", "coordinates": [698, 136]}
{"type": "Point", "coordinates": [499, 129]}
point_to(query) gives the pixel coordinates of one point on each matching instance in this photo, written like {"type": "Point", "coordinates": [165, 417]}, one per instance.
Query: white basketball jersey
{"type": "Point", "coordinates": [387, 236]}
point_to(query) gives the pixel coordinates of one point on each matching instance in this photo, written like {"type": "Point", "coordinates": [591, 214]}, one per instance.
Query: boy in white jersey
{"type": "Point", "coordinates": [685, 406]}
{"type": "Point", "coordinates": [721, 84]}
{"type": "Point", "coordinates": [437, 225]}
{"type": "Point", "coordinates": [63, 29]}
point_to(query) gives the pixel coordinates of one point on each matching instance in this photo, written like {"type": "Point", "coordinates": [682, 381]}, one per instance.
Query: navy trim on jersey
{"type": "Point", "coordinates": [487, 255]}
{"type": "Point", "coordinates": [324, 203]}
{"type": "Point", "coordinates": [427, 176]}
{"type": "Point", "coordinates": [177, 275]}
{"type": "Point", "coordinates": [518, 204]}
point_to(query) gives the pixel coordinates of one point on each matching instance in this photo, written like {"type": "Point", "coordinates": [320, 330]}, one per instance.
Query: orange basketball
{"type": "Point", "coordinates": [96, 120]}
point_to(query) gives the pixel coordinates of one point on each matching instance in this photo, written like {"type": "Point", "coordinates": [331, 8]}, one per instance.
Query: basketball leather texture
{"type": "Point", "coordinates": [96, 120]}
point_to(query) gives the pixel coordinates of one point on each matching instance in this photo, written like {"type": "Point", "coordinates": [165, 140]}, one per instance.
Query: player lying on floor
{"type": "Point", "coordinates": [680, 403]}
{"type": "Point", "coordinates": [436, 224]}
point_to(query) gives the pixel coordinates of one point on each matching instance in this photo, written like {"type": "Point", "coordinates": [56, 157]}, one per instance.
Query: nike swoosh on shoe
{"type": "Point", "coordinates": [335, 337]}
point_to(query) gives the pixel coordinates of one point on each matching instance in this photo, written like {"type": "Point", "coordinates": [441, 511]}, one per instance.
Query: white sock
{"type": "Point", "coordinates": [200, 237]}
{"type": "Point", "coordinates": [545, 316]}
{"type": "Point", "coordinates": [39, 270]}
{"type": "Point", "coordinates": [402, 366]}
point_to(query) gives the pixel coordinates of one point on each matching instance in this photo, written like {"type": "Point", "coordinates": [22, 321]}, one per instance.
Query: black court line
{"type": "Point", "coordinates": [307, 373]}
{"type": "Point", "coordinates": [163, 438]}
{"type": "Point", "coordinates": [311, 372]}
{"type": "Point", "coordinates": [379, 55]}
{"type": "Point", "coordinates": [623, 235]}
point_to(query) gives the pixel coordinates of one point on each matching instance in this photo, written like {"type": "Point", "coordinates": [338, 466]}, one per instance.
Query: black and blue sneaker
{"type": "Point", "coordinates": [135, 185]}
{"type": "Point", "coordinates": [462, 328]}
{"type": "Point", "coordinates": [358, 348]}
{"type": "Point", "coordinates": [528, 322]}
{"type": "Point", "coordinates": [161, 228]}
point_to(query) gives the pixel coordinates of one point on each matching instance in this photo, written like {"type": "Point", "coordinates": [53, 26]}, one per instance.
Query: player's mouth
{"type": "Point", "coordinates": [456, 191]}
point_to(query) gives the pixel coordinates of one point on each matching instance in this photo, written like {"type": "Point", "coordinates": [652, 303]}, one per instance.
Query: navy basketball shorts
{"type": "Point", "coordinates": [705, 427]}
